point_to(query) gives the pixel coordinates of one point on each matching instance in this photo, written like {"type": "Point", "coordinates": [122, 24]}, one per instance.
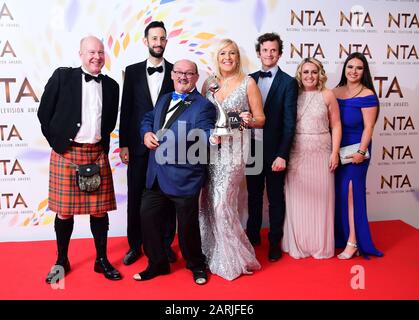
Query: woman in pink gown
{"type": "Point", "coordinates": [309, 184]}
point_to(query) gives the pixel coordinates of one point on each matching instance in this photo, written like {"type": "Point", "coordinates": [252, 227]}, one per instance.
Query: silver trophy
{"type": "Point", "coordinates": [222, 125]}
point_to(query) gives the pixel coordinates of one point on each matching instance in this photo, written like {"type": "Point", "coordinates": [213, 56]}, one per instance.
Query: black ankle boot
{"type": "Point", "coordinates": [58, 272]}
{"type": "Point", "coordinates": [99, 227]}
{"type": "Point", "coordinates": [102, 265]}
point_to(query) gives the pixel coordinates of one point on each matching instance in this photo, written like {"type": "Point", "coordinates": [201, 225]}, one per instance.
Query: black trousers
{"type": "Point", "coordinates": [275, 191]}
{"type": "Point", "coordinates": [154, 216]}
{"type": "Point", "coordinates": [136, 177]}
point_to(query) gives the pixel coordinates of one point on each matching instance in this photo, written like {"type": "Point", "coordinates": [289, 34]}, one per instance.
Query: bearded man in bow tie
{"type": "Point", "coordinates": [144, 83]}
{"type": "Point", "coordinates": [177, 133]}
{"type": "Point", "coordinates": [78, 112]}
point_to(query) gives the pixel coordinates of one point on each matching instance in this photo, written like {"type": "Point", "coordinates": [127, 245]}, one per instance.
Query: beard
{"type": "Point", "coordinates": [154, 53]}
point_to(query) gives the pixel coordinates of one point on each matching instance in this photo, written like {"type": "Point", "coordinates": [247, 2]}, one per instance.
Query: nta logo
{"type": "Point", "coordinates": [308, 18]}
{"type": "Point", "coordinates": [397, 153]}
{"type": "Point", "coordinates": [10, 167]}
{"type": "Point", "coordinates": [24, 91]}
{"type": "Point", "coordinates": [357, 18]}
{"type": "Point", "coordinates": [393, 88]}
{"type": "Point", "coordinates": [402, 51]}
{"type": "Point", "coordinates": [403, 20]}
{"type": "Point", "coordinates": [398, 181]}
{"type": "Point", "coordinates": [5, 12]}
{"type": "Point", "coordinates": [7, 134]}
{"type": "Point", "coordinates": [11, 201]}
{"type": "Point", "coordinates": [307, 50]}
{"type": "Point", "coordinates": [398, 123]}
{"type": "Point", "coordinates": [6, 49]}
{"type": "Point", "coordinates": [354, 47]}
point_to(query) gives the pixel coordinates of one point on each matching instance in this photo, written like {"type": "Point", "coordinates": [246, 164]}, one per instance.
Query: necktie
{"type": "Point", "coordinates": [263, 74]}
{"type": "Point", "coordinates": [177, 96]}
{"type": "Point", "coordinates": [88, 77]}
{"type": "Point", "coordinates": [151, 70]}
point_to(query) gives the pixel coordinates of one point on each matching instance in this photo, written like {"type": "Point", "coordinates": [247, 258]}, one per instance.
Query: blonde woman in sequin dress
{"type": "Point", "coordinates": [224, 242]}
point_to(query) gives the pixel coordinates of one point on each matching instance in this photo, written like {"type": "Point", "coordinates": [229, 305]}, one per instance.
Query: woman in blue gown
{"type": "Point", "coordinates": [359, 106]}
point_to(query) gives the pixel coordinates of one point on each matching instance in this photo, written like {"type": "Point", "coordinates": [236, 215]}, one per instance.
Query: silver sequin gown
{"type": "Point", "coordinates": [224, 242]}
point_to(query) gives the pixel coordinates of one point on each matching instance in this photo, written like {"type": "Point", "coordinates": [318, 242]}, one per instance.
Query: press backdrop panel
{"type": "Point", "coordinates": [38, 36]}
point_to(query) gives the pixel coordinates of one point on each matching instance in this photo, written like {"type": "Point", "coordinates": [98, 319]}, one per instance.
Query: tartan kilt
{"type": "Point", "coordinates": [65, 197]}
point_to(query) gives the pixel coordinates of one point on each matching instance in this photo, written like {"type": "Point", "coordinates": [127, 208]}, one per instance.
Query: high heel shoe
{"type": "Point", "coordinates": [345, 256]}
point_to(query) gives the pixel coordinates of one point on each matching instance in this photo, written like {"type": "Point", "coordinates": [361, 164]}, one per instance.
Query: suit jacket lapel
{"type": "Point", "coordinates": [163, 112]}
{"type": "Point", "coordinates": [274, 86]}
{"type": "Point", "coordinates": [167, 80]}
{"type": "Point", "coordinates": [106, 98]}
{"type": "Point", "coordinates": [76, 89]}
{"type": "Point", "coordinates": [144, 83]}
{"type": "Point", "coordinates": [182, 107]}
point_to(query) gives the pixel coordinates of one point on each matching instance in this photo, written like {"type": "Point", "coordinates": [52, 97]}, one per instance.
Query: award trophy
{"type": "Point", "coordinates": [222, 125]}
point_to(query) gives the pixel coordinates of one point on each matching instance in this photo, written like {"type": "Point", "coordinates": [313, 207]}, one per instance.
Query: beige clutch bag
{"type": "Point", "coordinates": [348, 151]}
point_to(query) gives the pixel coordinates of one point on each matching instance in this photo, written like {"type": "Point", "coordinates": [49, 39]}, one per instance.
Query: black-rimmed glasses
{"type": "Point", "coordinates": [186, 74]}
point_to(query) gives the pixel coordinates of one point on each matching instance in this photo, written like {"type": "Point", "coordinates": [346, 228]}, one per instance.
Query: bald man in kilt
{"type": "Point", "coordinates": [78, 112]}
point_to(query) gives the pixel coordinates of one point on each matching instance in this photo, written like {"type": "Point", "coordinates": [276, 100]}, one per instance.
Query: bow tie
{"type": "Point", "coordinates": [88, 77]}
{"type": "Point", "coordinates": [177, 96]}
{"type": "Point", "coordinates": [263, 74]}
{"type": "Point", "coordinates": [151, 70]}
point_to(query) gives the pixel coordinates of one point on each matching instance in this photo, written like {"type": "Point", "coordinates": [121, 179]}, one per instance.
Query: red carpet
{"type": "Point", "coordinates": [24, 265]}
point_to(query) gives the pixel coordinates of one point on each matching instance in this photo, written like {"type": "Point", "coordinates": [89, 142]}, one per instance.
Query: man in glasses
{"type": "Point", "coordinates": [174, 177]}
{"type": "Point", "coordinates": [144, 83]}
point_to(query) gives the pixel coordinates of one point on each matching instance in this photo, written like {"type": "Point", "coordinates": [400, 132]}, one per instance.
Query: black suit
{"type": "Point", "coordinates": [136, 102]}
{"type": "Point", "coordinates": [278, 132]}
{"type": "Point", "coordinates": [60, 108]}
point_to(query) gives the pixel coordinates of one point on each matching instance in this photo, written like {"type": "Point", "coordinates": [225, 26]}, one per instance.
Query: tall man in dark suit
{"type": "Point", "coordinates": [144, 83]}
{"type": "Point", "coordinates": [279, 93]}
{"type": "Point", "coordinates": [78, 111]}
{"type": "Point", "coordinates": [176, 171]}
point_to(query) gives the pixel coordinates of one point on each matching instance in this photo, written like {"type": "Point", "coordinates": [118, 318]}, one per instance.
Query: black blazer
{"type": "Point", "coordinates": [280, 111]}
{"type": "Point", "coordinates": [60, 108]}
{"type": "Point", "coordinates": [136, 102]}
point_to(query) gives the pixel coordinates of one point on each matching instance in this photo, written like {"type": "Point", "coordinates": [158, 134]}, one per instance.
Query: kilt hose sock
{"type": "Point", "coordinates": [63, 230]}
{"type": "Point", "coordinates": [99, 228]}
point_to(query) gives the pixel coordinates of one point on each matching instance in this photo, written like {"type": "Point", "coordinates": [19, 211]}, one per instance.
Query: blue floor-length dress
{"type": "Point", "coordinates": [352, 127]}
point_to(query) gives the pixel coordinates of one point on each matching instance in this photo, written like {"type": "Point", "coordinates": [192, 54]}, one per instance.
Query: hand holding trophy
{"type": "Point", "coordinates": [222, 125]}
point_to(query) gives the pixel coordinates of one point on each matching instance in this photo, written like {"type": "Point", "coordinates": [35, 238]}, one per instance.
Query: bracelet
{"type": "Point", "coordinates": [361, 152]}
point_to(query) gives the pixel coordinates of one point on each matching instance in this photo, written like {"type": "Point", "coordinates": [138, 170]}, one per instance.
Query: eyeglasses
{"type": "Point", "coordinates": [186, 74]}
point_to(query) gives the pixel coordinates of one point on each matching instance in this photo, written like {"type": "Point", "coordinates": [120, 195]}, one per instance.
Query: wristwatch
{"type": "Point", "coordinates": [361, 152]}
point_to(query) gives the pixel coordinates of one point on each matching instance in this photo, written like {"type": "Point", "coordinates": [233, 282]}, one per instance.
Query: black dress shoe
{"type": "Point", "coordinates": [56, 272]}
{"type": "Point", "coordinates": [275, 253]}
{"type": "Point", "coordinates": [151, 273]}
{"type": "Point", "coordinates": [132, 256]}
{"type": "Point", "coordinates": [200, 277]}
{"type": "Point", "coordinates": [102, 265]}
{"type": "Point", "coordinates": [171, 255]}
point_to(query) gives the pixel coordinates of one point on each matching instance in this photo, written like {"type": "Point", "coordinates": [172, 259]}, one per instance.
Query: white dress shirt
{"type": "Point", "coordinates": [91, 112]}
{"type": "Point", "coordinates": [264, 85]}
{"type": "Point", "coordinates": [172, 110]}
{"type": "Point", "coordinates": [169, 114]}
{"type": "Point", "coordinates": [155, 81]}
